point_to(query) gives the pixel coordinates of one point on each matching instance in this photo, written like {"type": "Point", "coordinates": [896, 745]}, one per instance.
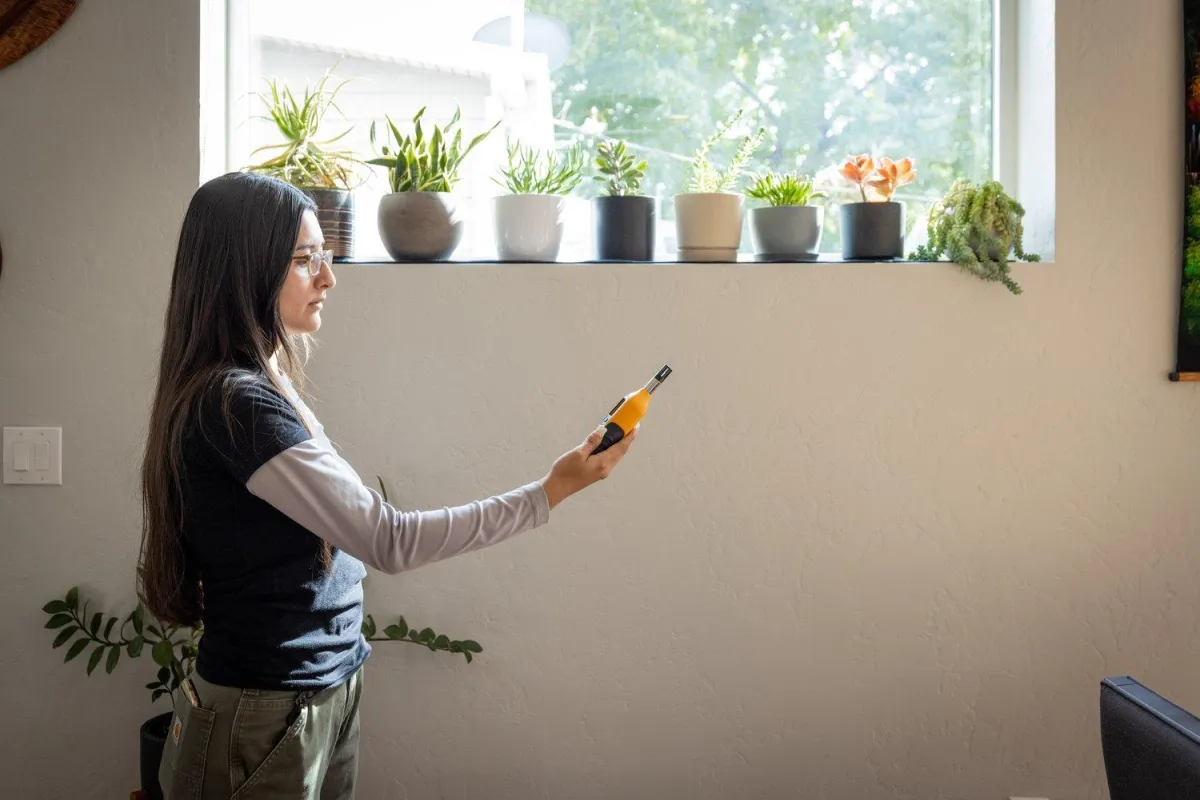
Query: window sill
{"type": "Point", "coordinates": [824, 258]}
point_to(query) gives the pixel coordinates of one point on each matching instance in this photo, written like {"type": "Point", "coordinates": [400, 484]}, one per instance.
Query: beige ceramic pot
{"type": "Point", "coordinates": [708, 227]}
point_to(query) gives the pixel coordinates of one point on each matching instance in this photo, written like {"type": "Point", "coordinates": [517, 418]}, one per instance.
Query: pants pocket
{"type": "Point", "coordinates": [185, 754]}
{"type": "Point", "coordinates": [266, 753]}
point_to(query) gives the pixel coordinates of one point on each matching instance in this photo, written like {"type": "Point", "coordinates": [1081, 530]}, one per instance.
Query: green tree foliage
{"type": "Point", "coordinates": [826, 77]}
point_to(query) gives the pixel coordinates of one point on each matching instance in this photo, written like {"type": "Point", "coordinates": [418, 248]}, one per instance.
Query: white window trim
{"type": "Point", "coordinates": [1023, 109]}
{"type": "Point", "coordinates": [1006, 80]}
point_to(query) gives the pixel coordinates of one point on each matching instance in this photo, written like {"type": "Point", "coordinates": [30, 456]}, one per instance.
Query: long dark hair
{"type": "Point", "coordinates": [222, 327]}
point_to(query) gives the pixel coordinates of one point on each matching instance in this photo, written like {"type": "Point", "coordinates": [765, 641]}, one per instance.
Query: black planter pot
{"type": "Point", "coordinates": [335, 213]}
{"type": "Point", "coordinates": [872, 230]}
{"type": "Point", "coordinates": [154, 738]}
{"type": "Point", "coordinates": [625, 228]}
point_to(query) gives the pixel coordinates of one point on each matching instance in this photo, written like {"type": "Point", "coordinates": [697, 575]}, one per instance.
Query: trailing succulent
{"type": "Point", "coordinates": [977, 226]}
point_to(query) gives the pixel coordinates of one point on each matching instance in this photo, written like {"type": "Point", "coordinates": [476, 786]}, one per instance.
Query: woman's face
{"type": "Point", "coordinates": [303, 292]}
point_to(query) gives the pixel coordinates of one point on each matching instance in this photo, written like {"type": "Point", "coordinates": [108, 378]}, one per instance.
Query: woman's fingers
{"type": "Point", "coordinates": [609, 458]}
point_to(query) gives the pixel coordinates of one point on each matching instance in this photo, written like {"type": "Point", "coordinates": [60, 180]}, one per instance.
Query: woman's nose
{"type": "Point", "coordinates": [326, 278]}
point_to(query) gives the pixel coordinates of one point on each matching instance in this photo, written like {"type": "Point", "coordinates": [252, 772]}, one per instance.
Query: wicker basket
{"type": "Point", "coordinates": [26, 24]}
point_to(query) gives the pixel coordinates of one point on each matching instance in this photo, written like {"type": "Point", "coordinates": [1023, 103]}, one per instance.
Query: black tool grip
{"type": "Point", "coordinates": [612, 435]}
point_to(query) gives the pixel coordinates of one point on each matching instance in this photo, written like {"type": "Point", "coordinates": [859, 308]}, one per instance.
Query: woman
{"type": "Point", "coordinates": [256, 528]}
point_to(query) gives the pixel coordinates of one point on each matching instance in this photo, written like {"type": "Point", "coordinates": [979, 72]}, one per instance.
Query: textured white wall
{"type": "Point", "coordinates": [99, 155]}
{"type": "Point", "coordinates": [887, 528]}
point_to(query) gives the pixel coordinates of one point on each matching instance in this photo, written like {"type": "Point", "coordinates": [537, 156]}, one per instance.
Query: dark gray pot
{"type": "Point", "coordinates": [872, 230]}
{"type": "Point", "coordinates": [153, 739]}
{"type": "Point", "coordinates": [419, 226]}
{"type": "Point", "coordinates": [786, 233]}
{"type": "Point", "coordinates": [335, 213]}
{"type": "Point", "coordinates": [624, 228]}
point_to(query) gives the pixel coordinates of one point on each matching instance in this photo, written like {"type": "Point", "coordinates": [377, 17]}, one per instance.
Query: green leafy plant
{"type": "Point", "coordinates": [1191, 270]}
{"type": "Point", "coordinates": [977, 226]}
{"type": "Point", "coordinates": [1191, 309]}
{"type": "Point", "coordinates": [174, 648]}
{"type": "Point", "coordinates": [400, 631]}
{"type": "Point", "coordinates": [618, 170]}
{"type": "Point", "coordinates": [304, 160]}
{"type": "Point", "coordinates": [533, 171]}
{"type": "Point", "coordinates": [706, 178]}
{"type": "Point", "coordinates": [1190, 306]}
{"type": "Point", "coordinates": [786, 189]}
{"type": "Point", "coordinates": [419, 163]}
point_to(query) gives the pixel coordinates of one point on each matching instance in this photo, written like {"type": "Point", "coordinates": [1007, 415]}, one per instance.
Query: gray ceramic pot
{"type": "Point", "coordinates": [335, 214]}
{"type": "Point", "coordinates": [786, 233]}
{"type": "Point", "coordinates": [873, 230]}
{"type": "Point", "coordinates": [419, 226]}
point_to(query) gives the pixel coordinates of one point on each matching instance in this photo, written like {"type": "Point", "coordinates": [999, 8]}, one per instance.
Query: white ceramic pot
{"type": "Point", "coordinates": [529, 227]}
{"type": "Point", "coordinates": [708, 227]}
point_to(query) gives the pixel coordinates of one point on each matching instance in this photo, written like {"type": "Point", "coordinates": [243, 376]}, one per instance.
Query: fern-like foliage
{"type": "Point", "coordinates": [705, 177]}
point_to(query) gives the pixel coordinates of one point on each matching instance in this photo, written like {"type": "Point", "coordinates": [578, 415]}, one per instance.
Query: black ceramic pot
{"type": "Point", "coordinates": [154, 738]}
{"type": "Point", "coordinates": [625, 228]}
{"type": "Point", "coordinates": [872, 230]}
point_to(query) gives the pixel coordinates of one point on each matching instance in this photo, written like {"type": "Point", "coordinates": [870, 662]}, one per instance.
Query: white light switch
{"type": "Point", "coordinates": [33, 455]}
{"type": "Point", "coordinates": [41, 456]}
{"type": "Point", "coordinates": [21, 456]}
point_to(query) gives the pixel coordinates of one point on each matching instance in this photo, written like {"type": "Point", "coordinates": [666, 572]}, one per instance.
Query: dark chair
{"type": "Point", "coordinates": [1151, 746]}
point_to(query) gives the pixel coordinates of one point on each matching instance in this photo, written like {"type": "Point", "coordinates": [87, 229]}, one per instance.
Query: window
{"type": "Point", "coordinates": [826, 77]}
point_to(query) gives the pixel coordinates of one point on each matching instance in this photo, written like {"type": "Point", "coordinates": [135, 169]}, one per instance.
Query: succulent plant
{"type": "Point", "coordinates": [619, 172]}
{"type": "Point", "coordinates": [783, 189]}
{"type": "Point", "coordinates": [882, 178]}
{"type": "Point", "coordinates": [977, 226]}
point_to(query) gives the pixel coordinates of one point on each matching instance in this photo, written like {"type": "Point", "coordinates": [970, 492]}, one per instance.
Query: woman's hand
{"type": "Point", "coordinates": [576, 470]}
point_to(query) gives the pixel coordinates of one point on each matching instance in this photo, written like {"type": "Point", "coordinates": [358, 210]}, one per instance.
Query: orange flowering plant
{"type": "Point", "coordinates": [882, 178]}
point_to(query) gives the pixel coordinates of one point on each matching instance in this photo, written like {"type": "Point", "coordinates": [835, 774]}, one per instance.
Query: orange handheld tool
{"type": "Point", "coordinates": [628, 412]}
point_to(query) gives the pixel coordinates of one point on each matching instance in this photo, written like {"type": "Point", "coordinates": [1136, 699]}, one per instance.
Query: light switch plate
{"type": "Point", "coordinates": [33, 456]}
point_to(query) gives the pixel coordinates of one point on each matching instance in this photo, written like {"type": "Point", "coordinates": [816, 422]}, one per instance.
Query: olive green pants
{"type": "Point", "coordinates": [250, 743]}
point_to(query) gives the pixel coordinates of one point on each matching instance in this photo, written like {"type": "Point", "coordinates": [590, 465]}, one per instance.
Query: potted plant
{"type": "Point", "coordinates": [419, 220]}
{"type": "Point", "coordinates": [310, 163]}
{"type": "Point", "coordinates": [977, 226]}
{"type": "Point", "coordinates": [788, 228]}
{"type": "Point", "coordinates": [874, 228]}
{"type": "Point", "coordinates": [174, 648]}
{"type": "Point", "coordinates": [624, 219]}
{"type": "Point", "coordinates": [708, 216]}
{"type": "Point", "coordinates": [529, 220]}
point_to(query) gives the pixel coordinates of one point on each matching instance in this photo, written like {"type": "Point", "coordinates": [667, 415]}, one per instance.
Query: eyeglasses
{"type": "Point", "coordinates": [314, 260]}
